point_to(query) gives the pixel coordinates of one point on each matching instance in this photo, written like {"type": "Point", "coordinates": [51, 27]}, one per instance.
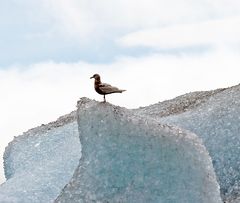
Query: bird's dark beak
{"type": "Point", "coordinates": [91, 77]}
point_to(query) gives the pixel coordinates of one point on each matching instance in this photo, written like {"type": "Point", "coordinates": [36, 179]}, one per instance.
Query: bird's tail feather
{"type": "Point", "coordinates": [120, 91]}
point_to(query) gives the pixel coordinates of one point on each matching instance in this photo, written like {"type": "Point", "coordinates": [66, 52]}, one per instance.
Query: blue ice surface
{"type": "Point", "coordinates": [216, 120]}
{"type": "Point", "coordinates": [126, 158]}
{"type": "Point", "coordinates": [39, 163]}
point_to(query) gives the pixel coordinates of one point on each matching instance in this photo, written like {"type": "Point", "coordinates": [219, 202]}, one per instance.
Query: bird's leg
{"type": "Point", "coordinates": [104, 98]}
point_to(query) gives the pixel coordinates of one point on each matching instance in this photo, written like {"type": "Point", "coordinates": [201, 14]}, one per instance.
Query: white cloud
{"type": "Point", "coordinates": [214, 33]}
{"type": "Point", "coordinates": [88, 19]}
{"type": "Point", "coordinates": [87, 29]}
{"type": "Point", "coordinates": [71, 18]}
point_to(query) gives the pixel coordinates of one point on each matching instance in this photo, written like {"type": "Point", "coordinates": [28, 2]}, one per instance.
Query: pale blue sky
{"type": "Point", "coordinates": [36, 31]}
{"type": "Point", "coordinates": [30, 34]}
{"type": "Point", "coordinates": [155, 49]}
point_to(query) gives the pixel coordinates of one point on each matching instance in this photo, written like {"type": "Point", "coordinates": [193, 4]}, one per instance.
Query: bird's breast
{"type": "Point", "coordinates": [98, 90]}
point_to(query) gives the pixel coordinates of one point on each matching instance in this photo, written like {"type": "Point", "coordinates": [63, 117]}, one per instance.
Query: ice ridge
{"type": "Point", "coordinates": [40, 162]}
{"type": "Point", "coordinates": [126, 158]}
{"type": "Point", "coordinates": [216, 122]}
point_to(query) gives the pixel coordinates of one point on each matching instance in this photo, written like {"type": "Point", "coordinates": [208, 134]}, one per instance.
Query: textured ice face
{"type": "Point", "coordinates": [39, 163]}
{"type": "Point", "coordinates": [126, 158]}
{"type": "Point", "coordinates": [217, 122]}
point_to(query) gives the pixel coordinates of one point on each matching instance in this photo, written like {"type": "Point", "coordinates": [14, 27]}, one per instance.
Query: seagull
{"type": "Point", "coordinates": [103, 88]}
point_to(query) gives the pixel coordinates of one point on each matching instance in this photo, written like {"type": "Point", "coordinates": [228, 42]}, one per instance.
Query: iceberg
{"type": "Point", "coordinates": [159, 153]}
{"type": "Point", "coordinates": [40, 162]}
{"type": "Point", "coordinates": [129, 158]}
{"type": "Point", "coordinates": [215, 117]}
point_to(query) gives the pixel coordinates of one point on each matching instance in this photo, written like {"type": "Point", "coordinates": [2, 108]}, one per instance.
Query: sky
{"type": "Point", "coordinates": [155, 49]}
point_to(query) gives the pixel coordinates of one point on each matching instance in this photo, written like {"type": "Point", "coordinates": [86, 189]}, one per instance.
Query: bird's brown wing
{"type": "Point", "coordinates": [107, 89]}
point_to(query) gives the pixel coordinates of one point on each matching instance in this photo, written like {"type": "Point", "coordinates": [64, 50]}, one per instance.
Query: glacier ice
{"type": "Point", "coordinates": [127, 158]}
{"type": "Point", "coordinates": [214, 117]}
{"type": "Point", "coordinates": [40, 162]}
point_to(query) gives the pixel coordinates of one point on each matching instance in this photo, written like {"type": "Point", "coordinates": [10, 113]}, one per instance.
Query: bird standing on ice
{"type": "Point", "coordinates": [103, 88]}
